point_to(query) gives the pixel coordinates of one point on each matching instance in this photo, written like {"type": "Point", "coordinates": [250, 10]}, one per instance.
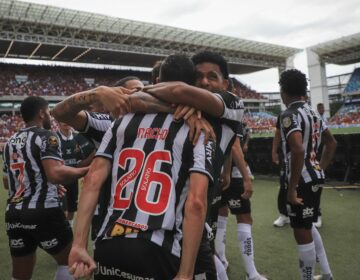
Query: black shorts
{"type": "Point", "coordinates": [72, 194]}
{"type": "Point", "coordinates": [205, 265]}
{"type": "Point", "coordinates": [133, 258]}
{"type": "Point", "coordinates": [232, 198]}
{"type": "Point", "coordinates": [302, 216]}
{"type": "Point", "coordinates": [28, 229]}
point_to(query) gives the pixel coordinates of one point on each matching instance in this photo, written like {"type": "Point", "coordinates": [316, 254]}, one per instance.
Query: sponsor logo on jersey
{"type": "Point", "coordinates": [315, 188]}
{"type": "Point", "coordinates": [19, 225]}
{"type": "Point", "coordinates": [308, 212]}
{"type": "Point", "coordinates": [19, 141]}
{"type": "Point", "coordinates": [234, 203]}
{"type": "Point", "coordinates": [119, 230]}
{"type": "Point", "coordinates": [112, 271]}
{"type": "Point", "coordinates": [17, 243]}
{"type": "Point", "coordinates": [152, 133]}
{"type": "Point", "coordinates": [48, 244]}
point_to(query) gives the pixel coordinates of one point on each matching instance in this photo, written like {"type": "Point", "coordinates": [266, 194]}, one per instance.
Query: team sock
{"type": "Point", "coordinates": [245, 242]}
{"type": "Point", "coordinates": [220, 239]}
{"type": "Point", "coordinates": [320, 253]}
{"type": "Point", "coordinates": [307, 260]}
{"type": "Point", "coordinates": [62, 273]}
{"type": "Point", "coordinates": [220, 269]}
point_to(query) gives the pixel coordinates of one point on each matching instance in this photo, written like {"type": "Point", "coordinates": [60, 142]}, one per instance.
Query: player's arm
{"type": "Point", "coordinates": [182, 93]}
{"type": "Point", "coordinates": [275, 146]}
{"type": "Point", "coordinates": [225, 176]}
{"type": "Point", "coordinates": [328, 150]}
{"type": "Point", "coordinates": [57, 173]}
{"type": "Point", "coordinates": [142, 102]}
{"type": "Point", "coordinates": [80, 262]}
{"type": "Point", "coordinates": [193, 224]}
{"type": "Point", "coordinates": [297, 163]}
{"type": "Point", "coordinates": [239, 160]}
{"type": "Point", "coordinates": [72, 109]}
{"type": "Point", "coordinates": [87, 161]}
{"type": "Point", "coordinates": [5, 171]}
{"type": "Point", "coordinates": [246, 142]}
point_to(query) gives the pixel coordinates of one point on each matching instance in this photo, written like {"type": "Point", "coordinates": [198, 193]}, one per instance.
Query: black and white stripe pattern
{"type": "Point", "coordinates": [23, 154]}
{"type": "Point", "coordinates": [164, 228]}
{"type": "Point", "coordinates": [301, 117]}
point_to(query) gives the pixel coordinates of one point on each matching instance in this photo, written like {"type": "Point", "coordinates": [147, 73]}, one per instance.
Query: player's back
{"type": "Point", "coordinates": [23, 155]}
{"type": "Point", "coordinates": [152, 157]}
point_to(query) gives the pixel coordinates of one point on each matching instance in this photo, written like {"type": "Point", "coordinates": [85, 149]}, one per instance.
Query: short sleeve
{"type": "Point", "coordinates": [289, 123]}
{"type": "Point", "coordinates": [233, 106]}
{"type": "Point", "coordinates": [108, 143]}
{"type": "Point", "coordinates": [96, 126]}
{"type": "Point", "coordinates": [203, 157]}
{"type": "Point", "coordinates": [50, 146]}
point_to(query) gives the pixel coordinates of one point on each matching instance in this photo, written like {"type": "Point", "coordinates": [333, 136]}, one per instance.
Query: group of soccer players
{"type": "Point", "coordinates": [168, 157]}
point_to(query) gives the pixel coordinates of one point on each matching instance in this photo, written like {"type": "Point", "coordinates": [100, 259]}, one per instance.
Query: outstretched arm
{"type": "Point", "coordinates": [182, 93]}
{"type": "Point", "coordinates": [193, 224]}
{"type": "Point", "coordinates": [80, 262]}
{"type": "Point", "coordinates": [329, 149]}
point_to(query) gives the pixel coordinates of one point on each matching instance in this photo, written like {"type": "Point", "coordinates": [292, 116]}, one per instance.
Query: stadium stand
{"type": "Point", "coordinates": [245, 91]}
{"type": "Point", "coordinates": [19, 80]}
{"type": "Point", "coordinates": [354, 82]}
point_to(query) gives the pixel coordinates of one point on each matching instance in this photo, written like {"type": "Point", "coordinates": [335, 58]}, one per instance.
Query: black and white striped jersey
{"type": "Point", "coordinates": [23, 155]}
{"type": "Point", "coordinates": [152, 158]}
{"type": "Point", "coordinates": [96, 126]}
{"type": "Point", "coordinates": [301, 117]}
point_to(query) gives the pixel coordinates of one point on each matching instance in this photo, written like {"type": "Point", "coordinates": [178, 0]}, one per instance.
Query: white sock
{"type": "Point", "coordinates": [220, 269]}
{"type": "Point", "coordinates": [62, 273]}
{"type": "Point", "coordinates": [245, 242]}
{"type": "Point", "coordinates": [220, 239]}
{"type": "Point", "coordinates": [307, 260]}
{"type": "Point", "coordinates": [320, 252]}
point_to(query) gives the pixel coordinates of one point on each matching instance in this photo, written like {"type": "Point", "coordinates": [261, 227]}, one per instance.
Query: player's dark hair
{"type": "Point", "coordinates": [178, 67]}
{"type": "Point", "coordinates": [155, 72]}
{"type": "Point", "coordinates": [122, 82]}
{"type": "Point", "coordinates": [212, 57]}
{"type": "Point", "coordinates": [293, 82]}
{"type": "Point", "coordinates": [31, 106]}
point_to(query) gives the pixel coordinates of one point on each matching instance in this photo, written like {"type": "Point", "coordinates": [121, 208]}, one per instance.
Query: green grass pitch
{"type": "Point", "coordinates": [275, 249]}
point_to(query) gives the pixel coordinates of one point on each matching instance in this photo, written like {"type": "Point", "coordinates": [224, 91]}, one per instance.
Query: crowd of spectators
{"type": "Point", "coordinates": [260, 122]}
{"type": "Point", "coordinates": [347, 116]}
{"type": "Point", "coordinates": [60, 81]}
{"type": "Point", "coordinates": [244, 91]}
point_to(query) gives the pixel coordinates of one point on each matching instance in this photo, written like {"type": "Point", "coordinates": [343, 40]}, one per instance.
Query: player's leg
{"type": "Point", "coordinates": [242, 209]}
{"type": "Point", "coordinates": [55, 237]}
{"type": "Point", "coordinates": [220, 239]}
{"type": "Point", "coordinates": [283, 218]}
{"type": "Point", "coordinates": [301, 218]}
{"type": "Point", "coordinates": [220, 269]}
{"type": "Point", "coordinates": [22, 267]}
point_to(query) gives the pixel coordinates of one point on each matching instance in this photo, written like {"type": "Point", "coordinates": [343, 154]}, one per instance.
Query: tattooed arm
{"type": "Point", "coordinates": [71, 109]}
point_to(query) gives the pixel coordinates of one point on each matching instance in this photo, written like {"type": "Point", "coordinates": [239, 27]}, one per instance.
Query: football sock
{"type": "Point", "coordinates": [307, 260]}
{"type": "Point", "coordinates": [320, 252]}
{"type": "Point", "coordinates": [220, 239]}
{"type": "Point", "coordinates": [62, 273]}
{"type": "Point", "coordinates": [220, 269]}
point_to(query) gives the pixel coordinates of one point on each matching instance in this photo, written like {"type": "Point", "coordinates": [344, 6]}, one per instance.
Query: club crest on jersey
{"type": "Point", "coordinates": [286, 122]}
{"type": "Point", "coordinates": [19, 141]}
{"type": "Point", "coordinates": [53, 141]}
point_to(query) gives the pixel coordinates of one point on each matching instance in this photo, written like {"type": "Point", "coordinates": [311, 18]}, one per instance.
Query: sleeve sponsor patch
{"type": "Point", "coordinates": [286, 122]}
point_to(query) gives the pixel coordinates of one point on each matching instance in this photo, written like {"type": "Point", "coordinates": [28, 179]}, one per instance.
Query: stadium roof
{"type": "Point", "coordinates": [35, 31]}
{"type": "Point", "coordinates": [345, 50]}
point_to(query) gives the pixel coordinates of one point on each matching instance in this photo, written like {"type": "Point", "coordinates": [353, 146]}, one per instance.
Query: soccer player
{"type": "Point", "coordinates": [130, 83]}
{"type": "Point", "coordinates": [302, 131]}
{"type": "Point", "coordinates": [212, 75]}
{"type": "Point", "coordinates": [157, 210]}
{"type": "Point", "coordinates": [72, 155]}
{"type": "Point", "coordinates": [33, 167]}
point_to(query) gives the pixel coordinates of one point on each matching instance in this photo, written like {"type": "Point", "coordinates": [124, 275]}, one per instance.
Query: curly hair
{"type": "Point", "coordinates": [212, 57]}
{"type": "Point", "coordinates": [293, 82]}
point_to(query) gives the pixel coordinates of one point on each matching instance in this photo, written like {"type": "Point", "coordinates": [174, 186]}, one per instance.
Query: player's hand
{"type": "Point", "coordinates": [245, 148]}
{"type": "Point", "coordinates": [248, 189]}
{"type": "Point", "coordinates": [61, 191]}
{"type": "Point", "coordinates": [224, 181]}
{"type": "Point", "coordinates": [183, 112]}
{"type": "Point", "coordinates": [293, 198]}
{"type": "Point", "coordinates": [182, 278]}
{"type": "Point", "coordinates": [196, 126]}
{"type": "Point", "coordinates": [81, 265]}
{"type": "Point", "coordinates": [275, 157]}
{"type": "Point", "coordinates": [115, 99]}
